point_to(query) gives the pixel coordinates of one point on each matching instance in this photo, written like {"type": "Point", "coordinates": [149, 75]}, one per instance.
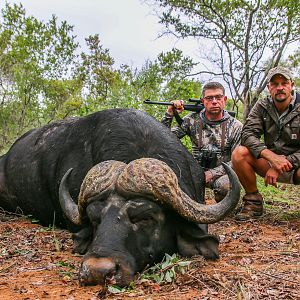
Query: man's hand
{"type": "Point", "coordinates": [271, 177]}
{"type": "Point", "coordinates": [278, 162]}
{"type": "Point", "coordinates": [208, 176]}
{"type": "Point", "coordinates": [281, 164]}
{"type": "Point", "coordinates": [177, 105]}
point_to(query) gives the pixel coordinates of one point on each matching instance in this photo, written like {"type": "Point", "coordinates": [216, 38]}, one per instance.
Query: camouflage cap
{"type": "Point", "coordinates": [280, 70]}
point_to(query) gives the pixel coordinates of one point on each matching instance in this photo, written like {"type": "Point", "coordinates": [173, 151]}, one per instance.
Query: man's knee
{"type": "Point", "coordinates": [221, 187]}
{"type": "Point", "coordinates": [240, 153]}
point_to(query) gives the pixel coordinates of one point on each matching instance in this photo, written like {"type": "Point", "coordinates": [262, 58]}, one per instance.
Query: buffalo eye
{"type": "Point", "coordinates": [143, 221]}
{"type": "Point", "coordinates": [144, 213]}
{"type": "Point", "coordinates": [141, 218]}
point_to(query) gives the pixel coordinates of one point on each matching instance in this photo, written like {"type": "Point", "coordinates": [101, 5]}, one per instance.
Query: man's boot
{"type": "Point", "coordinates": [252, 207]}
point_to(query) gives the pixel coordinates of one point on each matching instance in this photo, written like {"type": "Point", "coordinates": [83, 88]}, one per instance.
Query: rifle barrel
{"type": "Point", "coordinates": [195, 100]}
{"type": "Point", "coordinates": [158, 103]}
{"type": "Point", "coordinates": [191, 107]}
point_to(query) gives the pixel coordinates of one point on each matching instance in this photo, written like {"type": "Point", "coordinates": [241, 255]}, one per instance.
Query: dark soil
{"type": "Point", "coordinates": [259, 260]}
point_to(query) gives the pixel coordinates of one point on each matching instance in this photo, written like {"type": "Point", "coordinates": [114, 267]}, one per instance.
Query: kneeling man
{"type": "Point", "coordinates": [277, 157]}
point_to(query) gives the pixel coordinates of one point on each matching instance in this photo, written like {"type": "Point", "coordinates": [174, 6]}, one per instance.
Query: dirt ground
{"type": "Point", "coordinates": [259, 260]}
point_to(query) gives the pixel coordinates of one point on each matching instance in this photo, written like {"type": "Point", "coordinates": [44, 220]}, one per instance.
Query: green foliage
{"type": "Point", "coordinates": [65, 264]}
{"type": "Point", "coordinates": [293, 62]}
{"type": "Point", "coordinates": [32, 54]}
{"type": "Point", "coordinates": [66, 269]}
{"type": "Point", "coordinates": [96, 72]}
{"type": "Point", "coordinates": [166, 271]}
{"type": "Point", "coordinates": [281, 193]}
{"type": "Point", "coordinates": [61, 98]}
{"type": "Point", "coordinates": [115, 289]}
{"type": "Point", "coordinates": [156, 80]}
{"type": "Point", "coordinates": [42, 79]}
{"type": "Point", "coordinates": [32, 219]}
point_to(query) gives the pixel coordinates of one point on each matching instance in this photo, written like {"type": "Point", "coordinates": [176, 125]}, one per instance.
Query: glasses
{"type": "Point", "coordinates": [211, 98]}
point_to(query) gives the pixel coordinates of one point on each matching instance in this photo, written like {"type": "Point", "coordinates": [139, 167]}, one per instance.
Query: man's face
{"type": "Point", "coordinates": [214, 101]}
{"type": "Point", "coordinates": [280, 88]}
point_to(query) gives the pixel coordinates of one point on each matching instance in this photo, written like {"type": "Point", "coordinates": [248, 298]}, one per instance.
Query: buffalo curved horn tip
{"type": "Point", "coordinates": [69, 207]}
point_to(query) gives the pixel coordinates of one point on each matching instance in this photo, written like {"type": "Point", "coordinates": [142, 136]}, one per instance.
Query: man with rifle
{"type": "Point", "coordinates": [214, 134]}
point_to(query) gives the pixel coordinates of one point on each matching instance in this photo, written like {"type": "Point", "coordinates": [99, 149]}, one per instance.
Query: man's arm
{"type": "Point", "coordinates": [279, 162]}
{"type": "Point", "coordinates": [294, 158]}
{"type": "Point", "coordinates": [167, 120]}
{"type": "Point", "coordinates": [179, 131]}
{"type": "Point", "coordinates": [253, 130]}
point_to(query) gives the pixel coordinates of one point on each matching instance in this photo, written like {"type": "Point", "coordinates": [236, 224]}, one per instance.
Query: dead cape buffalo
{"type": "Point", "coordinates": [140, 192]}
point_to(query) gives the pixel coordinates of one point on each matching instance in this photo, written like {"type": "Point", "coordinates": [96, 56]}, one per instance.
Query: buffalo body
{"type": "Point", "coordinates": [119, 233]}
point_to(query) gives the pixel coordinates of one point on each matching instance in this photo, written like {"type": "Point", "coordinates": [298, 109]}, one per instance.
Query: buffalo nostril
{"type": "Point", "coordinates": [97, 271]}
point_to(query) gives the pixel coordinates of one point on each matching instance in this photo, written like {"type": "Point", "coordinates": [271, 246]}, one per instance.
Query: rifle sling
{"type": "Point", "coordinates": [178, 119]}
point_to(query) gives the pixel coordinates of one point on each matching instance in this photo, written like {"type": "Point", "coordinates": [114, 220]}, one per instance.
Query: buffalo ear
{"type": "Point", "coordinates": [193, 240]}
{"type": "Point", "coordinates": [82, 239]}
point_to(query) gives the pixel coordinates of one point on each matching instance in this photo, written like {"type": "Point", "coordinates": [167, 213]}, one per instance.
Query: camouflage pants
{"type": "Point", "coordinates": [220, 187]}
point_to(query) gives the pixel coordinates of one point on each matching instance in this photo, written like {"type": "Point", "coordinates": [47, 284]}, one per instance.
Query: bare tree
{"type": "Point", "coordinates": [249, 37]}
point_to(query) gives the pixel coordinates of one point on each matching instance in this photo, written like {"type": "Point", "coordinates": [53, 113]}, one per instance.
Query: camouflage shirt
{"type": "Point", "coordinates": [206, 137]}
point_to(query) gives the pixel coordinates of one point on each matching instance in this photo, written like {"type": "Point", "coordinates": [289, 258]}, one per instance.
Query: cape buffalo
{"type": "Point", "coordinates": [140, 192]}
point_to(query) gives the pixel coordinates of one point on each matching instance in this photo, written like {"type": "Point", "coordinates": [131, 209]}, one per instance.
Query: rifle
{"type": "Point", "coordinates": [197, 107]}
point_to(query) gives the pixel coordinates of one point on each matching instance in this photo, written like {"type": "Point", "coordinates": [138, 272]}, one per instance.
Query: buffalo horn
{"type": "Point", "coordinates": [67, 204]}
{"type": "Point", "coordinates": [99, 181]}
{"type": "Point", "coordinates": [155, 179]}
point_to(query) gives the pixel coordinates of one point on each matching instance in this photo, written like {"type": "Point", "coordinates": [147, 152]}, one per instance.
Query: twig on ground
{"type": "Point", "coordinates": [16, 214]}
{"type": "Point", "coordinates": [198, 280]}
{"type": "Point", "coordinates": [278, 277]}
{"type": "Point", "coordinates": [8, 267]}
